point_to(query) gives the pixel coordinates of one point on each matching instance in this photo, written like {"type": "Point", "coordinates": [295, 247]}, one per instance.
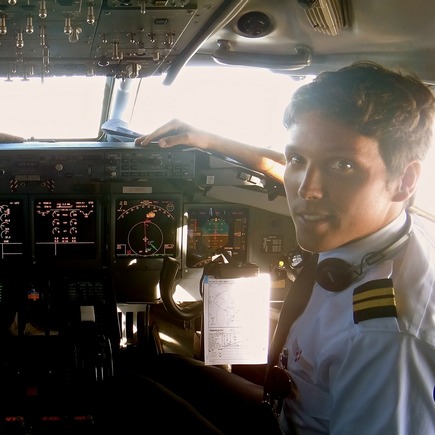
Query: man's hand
{"type": "Point", "coordinates": [175, 132]}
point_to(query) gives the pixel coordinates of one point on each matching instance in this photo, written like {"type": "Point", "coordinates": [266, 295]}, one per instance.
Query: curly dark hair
{"type": "Point", "coordinates": [394, 109]}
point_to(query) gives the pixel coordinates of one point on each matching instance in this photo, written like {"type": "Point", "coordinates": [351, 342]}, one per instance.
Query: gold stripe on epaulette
{"type": "Point", "coordinates": [374, 299]}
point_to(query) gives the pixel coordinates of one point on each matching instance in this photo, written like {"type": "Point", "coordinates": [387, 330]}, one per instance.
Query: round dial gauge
{"type": "Point", "coordinates": [145, 228]}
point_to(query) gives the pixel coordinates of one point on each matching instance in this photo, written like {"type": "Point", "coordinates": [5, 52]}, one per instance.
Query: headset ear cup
{"type": "Point", "coordinates": [334, 274]}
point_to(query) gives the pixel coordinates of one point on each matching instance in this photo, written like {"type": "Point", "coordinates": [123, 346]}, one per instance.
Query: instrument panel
{"type": "Point", "coordinates": [47, 167]}
{"type": "Point", "coordinates": [84, 228]}
{"type": "Point", "coordinates": [93, 205]}
{"type": "Point", "coordinates": [87, 231]}
{"type": "Point", "coordinates": [116, 208]}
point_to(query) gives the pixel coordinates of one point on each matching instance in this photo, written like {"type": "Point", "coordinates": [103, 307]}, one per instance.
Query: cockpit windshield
{"type": "Point", "coordinates": [57, 108]}
{"type": "Point", "coordinates": [245, 104]}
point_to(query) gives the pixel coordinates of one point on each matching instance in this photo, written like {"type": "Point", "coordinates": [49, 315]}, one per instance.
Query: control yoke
{"type": "Point", "coordinates": [168, 275]}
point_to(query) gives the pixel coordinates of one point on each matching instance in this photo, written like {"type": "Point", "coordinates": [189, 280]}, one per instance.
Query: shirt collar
{"type": "Point", "coordinates": [354, 252]}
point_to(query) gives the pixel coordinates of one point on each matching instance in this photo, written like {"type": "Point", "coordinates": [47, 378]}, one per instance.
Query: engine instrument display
{"type": "Point", "coordinates": [146, 227]}
{"type": "Point", "coordinates": [11, 228]}
{"type": "Point", "coordinates": [213, 228]}
{"type": "Point", "coordinates": [65, 228]}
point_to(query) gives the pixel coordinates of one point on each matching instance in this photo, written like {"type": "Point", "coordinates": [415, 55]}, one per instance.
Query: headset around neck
{"type": "Point", "coordinates": [335, 274]}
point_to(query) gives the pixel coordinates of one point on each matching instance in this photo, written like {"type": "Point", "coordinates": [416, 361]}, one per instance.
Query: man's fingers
{"type": "Point", "coordinates": [170, 134]}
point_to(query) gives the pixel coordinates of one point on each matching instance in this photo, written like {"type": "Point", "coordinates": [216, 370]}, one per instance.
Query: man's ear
{"type": "Point", "coordinates": [407, 184]}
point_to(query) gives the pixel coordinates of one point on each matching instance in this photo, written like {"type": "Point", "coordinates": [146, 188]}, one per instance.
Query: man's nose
{"type": "Point", "coordinates": [311, 184]}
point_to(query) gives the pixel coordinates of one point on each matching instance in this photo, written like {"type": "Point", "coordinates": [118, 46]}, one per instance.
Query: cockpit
{"type": "Point", "coordinates": [104, 244]}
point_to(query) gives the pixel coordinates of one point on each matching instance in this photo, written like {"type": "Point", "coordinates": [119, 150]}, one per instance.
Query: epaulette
{"type": "Point", "coordinates": [374, 299]}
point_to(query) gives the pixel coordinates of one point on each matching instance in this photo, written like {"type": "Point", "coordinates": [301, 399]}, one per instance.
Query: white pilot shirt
{"type": "Point", "coordinates": [377, 376]}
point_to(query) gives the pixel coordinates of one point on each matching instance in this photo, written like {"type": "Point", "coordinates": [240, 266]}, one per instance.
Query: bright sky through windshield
{"type": "Point", "coordinates": [59, 107]}
{"type": "Point", "coordinates": [244, 104]}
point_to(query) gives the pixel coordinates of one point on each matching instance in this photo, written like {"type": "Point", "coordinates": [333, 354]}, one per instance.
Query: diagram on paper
{"type": "Point", "coordinates": [236, 320]}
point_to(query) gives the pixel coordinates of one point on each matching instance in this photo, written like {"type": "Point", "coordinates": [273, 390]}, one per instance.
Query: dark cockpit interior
{"type": "Point", "coordinates": [84, 231]}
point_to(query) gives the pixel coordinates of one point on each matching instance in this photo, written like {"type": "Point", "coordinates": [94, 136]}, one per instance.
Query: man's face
{"type": "Point", "coordinates": [336, 184]}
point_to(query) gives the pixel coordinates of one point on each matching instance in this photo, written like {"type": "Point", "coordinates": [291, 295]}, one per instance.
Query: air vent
{"type": "Point", "coordinates": [327, 16]}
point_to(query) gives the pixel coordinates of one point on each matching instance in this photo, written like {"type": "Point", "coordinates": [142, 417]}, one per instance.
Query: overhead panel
{"type": "Point", "coordinates": [134, 38]}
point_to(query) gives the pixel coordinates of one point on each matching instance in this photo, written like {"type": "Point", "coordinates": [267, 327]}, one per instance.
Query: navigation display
{"type": "Point", "coordinates": [213, 228]}
{"type": "Point", "coordinates": [146, 226]}
{"type": "Point", "coordinates": [65, 228]}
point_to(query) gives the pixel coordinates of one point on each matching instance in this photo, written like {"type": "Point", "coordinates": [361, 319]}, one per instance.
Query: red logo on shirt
{"type": "Point", "coordinates": [298, 355]}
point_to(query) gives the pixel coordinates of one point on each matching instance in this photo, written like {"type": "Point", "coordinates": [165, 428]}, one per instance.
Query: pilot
{"type": "Point", "coordinates": [362, 353]}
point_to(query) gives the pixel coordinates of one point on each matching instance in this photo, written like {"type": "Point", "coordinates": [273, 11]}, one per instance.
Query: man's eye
{"type": "Point", "coordinates": [294, 159]}
{"type": "Point", "coordinates": [342, 165]}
